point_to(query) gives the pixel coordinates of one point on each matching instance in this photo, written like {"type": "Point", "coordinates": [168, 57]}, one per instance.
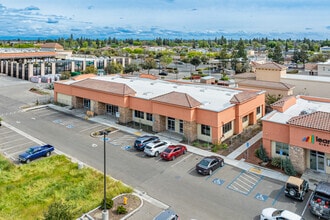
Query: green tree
{"type": "Point", "coordinates": [114, 68]}
{"type": "Point", "coordinates": [130, 68]}
{"type": "Point", "coordinates": [90, 69]}
{"type": "Point", "coordinates": [277, 55]}
{"type": "Point", "coordinates": [149, 64]}
{"type": "Point", "coordinates": [195, 61]}
{"type": "Point", "coordinates": [165, 60]}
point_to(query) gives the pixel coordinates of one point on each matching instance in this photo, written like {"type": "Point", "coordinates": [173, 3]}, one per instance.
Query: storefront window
{"type": "Point", "coordinates": [282, 147]}
{"type": "Point", "coordinates": [206, 130]}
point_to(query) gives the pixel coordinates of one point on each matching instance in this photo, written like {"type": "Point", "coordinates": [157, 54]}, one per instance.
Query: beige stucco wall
{"type": "Point", "coordinates": [309, 85]}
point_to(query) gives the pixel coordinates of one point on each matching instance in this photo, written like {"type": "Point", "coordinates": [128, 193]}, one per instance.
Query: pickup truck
{"type": "Point", "coordinates": [36, 152]}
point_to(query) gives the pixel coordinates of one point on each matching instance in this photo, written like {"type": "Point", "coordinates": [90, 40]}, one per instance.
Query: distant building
{"type": "Point", "coordinates": [323, 69]}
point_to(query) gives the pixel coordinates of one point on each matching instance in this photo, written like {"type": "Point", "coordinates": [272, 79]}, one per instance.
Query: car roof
{"type": "Point", "coordinates": [155, 143]}
{"type": "Point", "coordinates": [290, 215]}
{"type": "Point", "coordinates": [323, 187]}
{"type": "Point", "coordinates": [165, 215]}
{"type": "Point", "coordinates": [295, 180]}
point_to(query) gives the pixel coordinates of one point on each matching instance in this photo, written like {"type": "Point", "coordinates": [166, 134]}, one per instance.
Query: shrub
{"type": "Point", "coordinates": [59, 210]}
{"type": "Point", "coordinates": [261, 153]}
{"type": "Point", "coordinates": [224, 146]}
{"type": "Point", "coordinates": [288, 167]}
{"type": "Point", "coordinates": [108, 204]}
{"type": "Point", "coordinates": [121, 210]}
{"type": "Point", "coordinates": [215, 148]}
{"type": "Point", "coordinates": [276, 161]}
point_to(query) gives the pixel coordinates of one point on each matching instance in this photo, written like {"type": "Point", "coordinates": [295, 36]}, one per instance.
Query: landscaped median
{"type": "Point", "coordinates": [28, 190]}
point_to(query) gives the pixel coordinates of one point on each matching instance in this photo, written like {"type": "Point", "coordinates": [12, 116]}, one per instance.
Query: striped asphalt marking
{"type": "Point", "coordinates": [245, 182]}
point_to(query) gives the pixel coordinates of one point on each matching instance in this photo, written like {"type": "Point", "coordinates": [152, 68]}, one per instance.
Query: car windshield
{"type": "Point", "coordinates": [29, 151]}
{"type": "Point", "coordinates": [205, 162]}
{"type": "Point", "coordinates": [277, 213]}
{"type": "Point", "coordinates": [167, 150]}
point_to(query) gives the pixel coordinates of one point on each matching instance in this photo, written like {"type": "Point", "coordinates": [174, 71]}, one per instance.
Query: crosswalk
{"type": "Point", "coordinates": [245, 182]}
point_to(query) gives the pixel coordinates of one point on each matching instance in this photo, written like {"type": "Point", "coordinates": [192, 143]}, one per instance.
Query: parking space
{"type": "Point", "coordinates": [13, 144]}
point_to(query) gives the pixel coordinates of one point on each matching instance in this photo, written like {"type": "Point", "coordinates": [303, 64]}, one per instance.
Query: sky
{"type": "Point", "coordinates": [148, 19]}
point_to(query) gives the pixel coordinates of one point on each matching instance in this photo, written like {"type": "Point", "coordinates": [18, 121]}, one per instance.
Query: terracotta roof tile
{"type": "Point", "coordinates": [83, 76]}
{"type": "Point", "coordinates": [316, 120]}
{"type": "Point", "coordinates": [26, 55]}
{"type": "Point", "coordinates": [281, 102]}
{"type": "Point", "coordinates": [147, 76]}
{"type": "Point", "coordinates": [52, 45]}
{"type": "Point", "coordinates": [178, 98]}
{"type": "Point", "coordinates": [243, 97]}
{"type": "Point", "coordinates": [271, 65]}
{"type": "Point", "coordinates": [105, 86]}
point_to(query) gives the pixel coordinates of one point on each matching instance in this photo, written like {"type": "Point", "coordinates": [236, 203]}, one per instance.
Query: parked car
{"type": "Point", "coordinates": [296, 188]}
{"type": "Point", "coordinates": [274, 214]}
{"type": "Point", "coordinates": [163, 73]}
{"type": "Point", "coordinates": [167, 214]}
{"type": "Point", "coordinates": [142, 141]}
{"type": "Point", "coordinates": [319, 203]}
{"type": "Point", "coordinates": [35, 152]}
{"type": "Point", "coordinates": [209, 164]}
{"type": "Point", "coordinates": [173, 151]}
{"type": "Point", "coordinates": [155, 148]}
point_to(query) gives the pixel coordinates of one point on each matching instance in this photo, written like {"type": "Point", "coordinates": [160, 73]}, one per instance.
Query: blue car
{"type": "Point", "coordinates": [142, 141]}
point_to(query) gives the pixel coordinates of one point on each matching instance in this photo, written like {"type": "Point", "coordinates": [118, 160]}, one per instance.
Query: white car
{"type": "Point", "coordinates": [274, 214]}
{"type": "Point", "coordinates": [155, 148]}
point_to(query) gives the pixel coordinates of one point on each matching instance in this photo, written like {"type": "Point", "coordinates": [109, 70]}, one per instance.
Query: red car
{"type": "Point", "coordinates": [173, 151]}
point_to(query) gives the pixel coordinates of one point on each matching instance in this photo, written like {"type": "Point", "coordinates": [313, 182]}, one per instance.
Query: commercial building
{"type": "Point", "coordinates": [196, 111]}
{"type": "Point", "coordinates": [299, 128]}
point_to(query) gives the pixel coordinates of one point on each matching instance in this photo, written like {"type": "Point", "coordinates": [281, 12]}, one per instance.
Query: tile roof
{"type": "Point", "coordinates": [271, 65]}
{"type": "Point", "coordinates": [266, 84]}
{"type": "Point", "coordinates": [52, 45]}
{"type": "Point", "coordinates": [178, 98]}
{"type": "Point", "coordinates": [281, 102]}
{"type": "Point", "coordinates": [26, 55]}
{"type": "Point", "coordinates": [243, 97]}
{"type": "Point", "coordinates": [105, 86]}
{"type": "Point", "coordinates": [316, 120]}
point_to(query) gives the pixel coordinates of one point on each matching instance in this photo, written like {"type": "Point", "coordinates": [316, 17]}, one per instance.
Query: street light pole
{"type": "Point", "coordinates": [105, 214]}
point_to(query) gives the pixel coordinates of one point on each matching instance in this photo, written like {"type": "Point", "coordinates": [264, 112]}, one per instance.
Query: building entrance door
{"type": "Point", "coordinates": [317, 161]}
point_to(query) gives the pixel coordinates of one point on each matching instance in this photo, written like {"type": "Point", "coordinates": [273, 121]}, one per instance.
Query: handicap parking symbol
{"type": "Point", "coordinates": [128, 147]}
{"type": "Point", "coordinates": [57, 121]}
{"type": "Point", "coordinates": [218, 181]}
{"type": "Point", "coordinates": [261, 197]}
{"type": "Point", "coordinates": [69, 126]}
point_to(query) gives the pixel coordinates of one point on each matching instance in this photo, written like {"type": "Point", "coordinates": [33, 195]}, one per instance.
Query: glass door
{"type": "Point", "coordinates": [317, 161]}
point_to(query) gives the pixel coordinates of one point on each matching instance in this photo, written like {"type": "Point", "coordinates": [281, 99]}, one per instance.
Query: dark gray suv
{"type": "Point", "coordinates": [142, 141]}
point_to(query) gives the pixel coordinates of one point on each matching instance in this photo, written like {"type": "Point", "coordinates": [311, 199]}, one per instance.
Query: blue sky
{"type": "Point", "coordinates": [165, 18]}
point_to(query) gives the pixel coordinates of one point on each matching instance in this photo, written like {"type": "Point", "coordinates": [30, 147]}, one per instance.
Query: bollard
{"type": "Point", "coordinates": [125, 200]}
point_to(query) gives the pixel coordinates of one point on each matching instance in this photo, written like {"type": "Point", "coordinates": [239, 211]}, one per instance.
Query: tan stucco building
{"type": "Point", "coordinates": [196, 111]}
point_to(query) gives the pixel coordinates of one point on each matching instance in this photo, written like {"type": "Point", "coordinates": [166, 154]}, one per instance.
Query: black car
{"type": "Point", "coordinates": [163, 73]}
{"type": "Point", "coordinates": [142, 141]}
{"type": "Point", "coordinates": [209, 164]}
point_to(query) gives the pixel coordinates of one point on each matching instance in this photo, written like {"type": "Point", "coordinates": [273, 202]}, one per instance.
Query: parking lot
{"type": "Point", "coordinates": [73, 136]}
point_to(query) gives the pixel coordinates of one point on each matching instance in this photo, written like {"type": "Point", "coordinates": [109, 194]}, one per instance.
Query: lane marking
{"type": "Point", "coordinates": [18, 145]}
{"type": "Point", "coordinates": [310, 197]}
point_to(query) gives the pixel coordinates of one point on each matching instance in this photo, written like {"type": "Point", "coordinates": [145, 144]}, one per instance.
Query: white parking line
{"type": "Point", "coordinates": [302, 214]}
{"type": "Point", "coordinates": [8, 132]}
{"type": "Point", "coordinates": [181, 160]}
{"type": "Point", "coordinates": [17, 145]}
{"type": "Point", "coordinates": [11, 141]}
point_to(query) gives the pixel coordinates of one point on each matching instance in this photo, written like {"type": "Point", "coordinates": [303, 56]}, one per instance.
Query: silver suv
{"type": "Point", "coordinates": [155, 148]}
